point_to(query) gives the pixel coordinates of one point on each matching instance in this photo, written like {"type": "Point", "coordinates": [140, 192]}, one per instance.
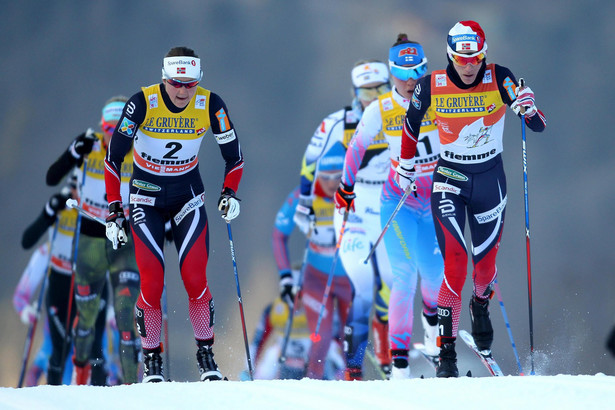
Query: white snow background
{"type": "Point", "coordinates": [508, 392]}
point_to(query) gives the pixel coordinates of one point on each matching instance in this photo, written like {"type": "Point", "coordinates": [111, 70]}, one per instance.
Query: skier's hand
{"type": "Point", "coordinates": [404, 176]}
{"type": "Point", "coordinates": [228, 204]}
{"type": "Point", "coordinates": [83, 144]}
{"type": "Point", "coordinates": [344, 197]}
{"type": "Point", "coordinates": [286, 288]}
{"type": "Point", "coordinates": [29, 314]}
{"type": "Point", "coordinates": [524, 103]}
{"type": "Point", "coordinates": [117, 225]}
{"type": "Point", "coordinates": [304, 216]}
{"type": "Point", "coordinates": [57, 202]}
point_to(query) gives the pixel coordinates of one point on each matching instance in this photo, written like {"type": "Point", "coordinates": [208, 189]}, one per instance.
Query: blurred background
{"type": "Point", "coordinates": [281, 66]}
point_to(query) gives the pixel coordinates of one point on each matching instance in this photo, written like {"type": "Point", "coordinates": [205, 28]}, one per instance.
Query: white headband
{"type": "Point", "coordinates": [182, 67]}
{"type": "Point", "coordinates": [375, 72]}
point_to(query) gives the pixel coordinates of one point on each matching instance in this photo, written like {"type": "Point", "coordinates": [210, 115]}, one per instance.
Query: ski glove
{"type": "Point", "coordinates": [117, 225]}
{"type": "Point", "coordinates": [344, 197]}
{"type": "Point", "coordinates": [228, 204]}
{"type": "Point", "coordinates": [57, 202]}
{"type": "Point", "coordinates": [404, 176]}
{"type": "Point", "coordinates": [286, 289]}
{"type": "Point", "coordinates": [83, 144]}
{"type": "Point", "coordinates": [304, 216]}
{"type": "Point", "coordinates": [29, 313]}
{"type": "Point", "coordinates": [524, 103]}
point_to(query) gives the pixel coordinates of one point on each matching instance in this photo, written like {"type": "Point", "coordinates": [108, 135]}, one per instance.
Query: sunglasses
{"type": "Point", "coordinates": [371, 93]}
{"type": "Point", "coordinates": [462, 60]}
{"type": "Point", "coordinates": [328, 176]}
{"type": "Point", "coordinates": [179, 84]}
{"type": "Point", "coordinates": [405, 73]}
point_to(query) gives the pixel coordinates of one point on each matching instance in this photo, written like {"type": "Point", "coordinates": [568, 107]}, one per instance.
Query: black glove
{"type": "Point", "coordinates": [286, 288]}
{"type": "Point", "coordinates": [56, 203]}
{"type": "Point", "coordinates": [83, 144]}
{"type": "Point", "coordinates": [228, 204]}
{"type": "Point", "coordinates": [117, 225]}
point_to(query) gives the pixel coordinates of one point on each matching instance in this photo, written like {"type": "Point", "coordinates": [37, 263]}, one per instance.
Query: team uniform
{"type": "Point", "coordinates": [94, 260]}
{"type": "Point", "coordinates": [362, 227]}
{"type": "Point", "coordinates": [410, 240]}
{"type": "Point", "coordinates": [318, 264]}
{"type": "Point", "coordinates": [57, 342]}
{"type": "Point", "coordinates": [166, 184]}
{"type": "Point", "coordinates": [469, 177]}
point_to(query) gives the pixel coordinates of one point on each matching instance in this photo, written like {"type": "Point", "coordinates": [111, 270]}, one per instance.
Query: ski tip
{"type": "Point", "coordinates": [469, 373]}
{"type": "Point", "coordinates": [315, 337]}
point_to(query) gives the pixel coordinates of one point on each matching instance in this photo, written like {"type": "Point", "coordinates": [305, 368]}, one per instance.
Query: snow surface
{"type": "Point", "coordinates": [509, 392]}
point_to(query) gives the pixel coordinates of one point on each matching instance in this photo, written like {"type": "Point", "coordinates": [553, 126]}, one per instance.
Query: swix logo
{"type": "Point", "coordinates": [408, 51]}
{"type": "Point", "coordinates": [83, 290]}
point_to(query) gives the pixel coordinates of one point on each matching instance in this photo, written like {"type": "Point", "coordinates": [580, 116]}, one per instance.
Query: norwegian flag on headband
{"type": "Point", "coordinates": [181, 70]}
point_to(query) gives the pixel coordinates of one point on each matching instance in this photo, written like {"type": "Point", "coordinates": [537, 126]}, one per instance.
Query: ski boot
{"type": "Point", "coordinates": [81, 373]}
{"type": "Point", "coordinates": [352, 373]}
{"type": "Point", "coordinates": [482, 331]}
{"type": "Point", "coordinates": [448, 359]}
{"type": "Point", "coordinates": [208, 369]}
{"type": "Point", "coordinates": [400, 369]}
{"type": "Point", "coordinates": [430, 326]}
{"type": "Point", "coordinates": [152, 365]}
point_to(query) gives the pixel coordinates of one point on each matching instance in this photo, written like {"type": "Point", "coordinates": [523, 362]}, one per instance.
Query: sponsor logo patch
{"type": "Point", "coordinates": [190, 206]}
{"type": "Point", "coordinates": [225, 137]}
{"type": "Point", "coordinates": [153, 101]}
{"type": "Point", "coordinates": [487, 78]}
{"type": "Point", "coordinates": [442, 187]}
{"type": "Point", "coordinates": [136, 199]}
{"type": "Point", "coordinates": [387, 104]}
{"type": "Point", "coordinates": [144, 185]}
{"type": "Point", "coordinates": [127, 127]}
{"type": "Point", "coordinates": [440, 80]}
{"type": "Point", "coordinates": [200, 101]}
{"type": "Point", "coordinates": [416, 102]}
{"type": "Point", "coordinates": [452, 174]}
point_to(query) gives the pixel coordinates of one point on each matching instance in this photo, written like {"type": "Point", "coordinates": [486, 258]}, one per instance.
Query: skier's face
{"type": "Point", "coordinates": [467, 72]}
{"type": "Point", "coordinates": [404, 88]}
{"type": "Point", "coordinates": [329, 181]}
{"type": "Point", "coordinates": [180, 90]}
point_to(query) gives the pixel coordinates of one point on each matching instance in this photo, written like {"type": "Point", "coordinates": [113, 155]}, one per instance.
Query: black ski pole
{"type": "Point", "coordinates": [243, 320]}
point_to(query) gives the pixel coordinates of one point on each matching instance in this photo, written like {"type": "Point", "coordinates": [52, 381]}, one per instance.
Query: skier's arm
{"type": "Point", "coordinates": [421, 100]}
{"type": "Point", "coordinates": [45, 219]}
{"type": "Point", "coordinates": [368, 128]}
{"type": "Point", "coordinates": [73, 156]}
{"type": "Point", "coordinates": [226, 137]}
{"type": "Point", "coordinates": [121, 142]}
{"type": "Point", "coordinates": [509, 88]}
{"type": "Point", "coordinates": [282, 229]}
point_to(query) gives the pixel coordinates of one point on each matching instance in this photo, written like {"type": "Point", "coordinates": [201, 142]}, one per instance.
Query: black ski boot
{"type": "Point", "coordinates": [482, 331]}
{"type": "Point", "coordinates": [208, 369]}
{"type": "Point", "coordinates": [152, 365]}
{"type": "Point", "coordinates": [448, 359]}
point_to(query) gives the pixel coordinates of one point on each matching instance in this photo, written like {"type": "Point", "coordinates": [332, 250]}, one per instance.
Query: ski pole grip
{"type": "Point", "coordinates": [522, 85]}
